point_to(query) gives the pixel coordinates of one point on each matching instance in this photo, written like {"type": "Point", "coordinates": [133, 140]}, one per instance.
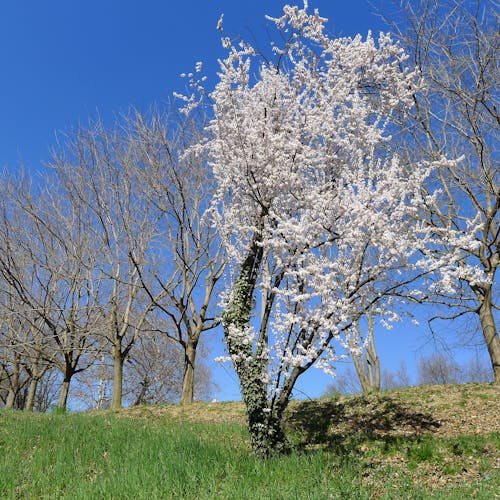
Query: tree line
{"type": "Point", "coordinates": [106, 256]}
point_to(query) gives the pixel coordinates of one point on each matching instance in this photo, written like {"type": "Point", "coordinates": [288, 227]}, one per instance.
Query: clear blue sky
{"type": "Point", "coordinates": [63, 60]}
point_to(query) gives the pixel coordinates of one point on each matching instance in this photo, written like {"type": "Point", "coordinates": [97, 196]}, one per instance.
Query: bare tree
{"type": "Point", "coordinates": [145, 205]}
{"type": "Point", "coordinates": [46, 262]}
{"type": "Point", "coordinates": [155, 373]}
{"type": "Point", "coordinates": [12, 375]}
{"type": "Point", "coordinates": [99, 169]}
{"type": "Point", "coordinates": [476, 370]}
{"type": "Point", "coordinates": [46, 396]}
{"type": "Point", "coordinates": [345, 382]}
{"type": "Point", "coordinates": [438, 369]}
{"type": "Point", "coordinates": [395, 379]}
{"type": "Point", "coordinates": [455, 44]}
{"type": "Point", "coordinates": [152, 374]}
{"type": "Point", "coordinates": [348, 382]}
{"type": "Point", "coordinates": [184, 288]}
{"type": "Point", "coordinates": [364, 354]}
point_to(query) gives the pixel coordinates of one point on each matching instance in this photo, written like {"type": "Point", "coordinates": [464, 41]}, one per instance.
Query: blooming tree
{"type": "Point", "coordinates": [316, 211]}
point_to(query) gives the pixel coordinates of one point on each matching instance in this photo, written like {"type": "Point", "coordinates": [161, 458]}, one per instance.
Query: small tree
{"type": "Point", "coordinates": [438, 369]}
{"type": "Point", "coordinates": [314, 207]}
{"type": "Point", "coordinates": [365, 357]}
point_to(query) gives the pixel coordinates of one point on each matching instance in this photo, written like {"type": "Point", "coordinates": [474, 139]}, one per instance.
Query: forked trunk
{"type": "Point", "coordinates": [264, 424]}
{"type": "Point", "coordinates": [367, 367]}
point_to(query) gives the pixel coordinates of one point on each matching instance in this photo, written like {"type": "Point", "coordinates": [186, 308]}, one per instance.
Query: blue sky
{"type": "Point", "coordinates": [63, 60]}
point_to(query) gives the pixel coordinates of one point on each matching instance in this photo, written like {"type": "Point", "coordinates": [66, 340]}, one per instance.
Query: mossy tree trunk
{"type": "Point", "coordinates": [264, 422]}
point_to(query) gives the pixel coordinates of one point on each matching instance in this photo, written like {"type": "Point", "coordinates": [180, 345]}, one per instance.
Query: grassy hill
{"type": "Point", "coordinates": [420, 442]}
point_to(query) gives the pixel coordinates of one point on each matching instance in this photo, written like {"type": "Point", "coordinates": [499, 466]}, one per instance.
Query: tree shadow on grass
{"type": "Point", "coordinates": [333, 423]}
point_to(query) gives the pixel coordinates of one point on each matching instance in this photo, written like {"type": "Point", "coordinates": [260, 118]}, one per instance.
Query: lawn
{"type": "Point", "coordinates": [427, 442]}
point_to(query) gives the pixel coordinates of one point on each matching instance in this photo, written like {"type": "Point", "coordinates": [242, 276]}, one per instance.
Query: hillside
{"type": "Point", "coordinates": [420, 442]}
{"type": "Point", "coordinates": [444, 410]}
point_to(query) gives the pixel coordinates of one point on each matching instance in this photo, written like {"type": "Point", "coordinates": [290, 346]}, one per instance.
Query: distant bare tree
{"type": "Point", "coordinates": [156, 372]}
{"type": "Point", "coordinates": [345, 382]}
{"type": "Point", "coordinates": [476, 370]}
{"type": "Point", "coordinates": [438, 369]}
{"type": "Point", "coordinates": [348, 382]}
{"type": "Point", "coordinates": [152, 374]}
{"type": "Point", "coordinates": [366, 361]}
{"type": "Point", "coordinates": [46, 396]}
{"type": "Point", "coordinates": [395, 380]}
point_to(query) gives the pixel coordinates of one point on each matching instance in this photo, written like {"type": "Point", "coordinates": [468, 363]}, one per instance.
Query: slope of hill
{"type": "Point", "coordinates": [420, 442]}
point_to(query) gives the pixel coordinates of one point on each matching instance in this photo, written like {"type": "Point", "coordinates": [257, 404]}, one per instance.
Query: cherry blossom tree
{"type": "Point", "coordinates": [316, 211]}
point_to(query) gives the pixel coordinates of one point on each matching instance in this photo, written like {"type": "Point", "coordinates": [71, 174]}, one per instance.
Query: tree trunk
{"type": "Point", "coordinates": [187, 395]}
{"type": "Point", "coordinates": [11, 397]}
{"type": "Point", "coordinates": [264, 424]}
{"type": "Point", "coordinates": [30, 400]}
{"type": "Point", "coordinates": [490, 332]}
{"type": "Point", "coordinates": [367, 363]}
{"type": "Point", "coordinates": [116, 398]}
{"type": "Point", "coordinates": [142, 394]}
{"type": "Point", "coordinates": [63, 394]}
{"type": "Point", "coordinates": [367, 367]}
{"type": "Point", "coordinates": [14, 384]}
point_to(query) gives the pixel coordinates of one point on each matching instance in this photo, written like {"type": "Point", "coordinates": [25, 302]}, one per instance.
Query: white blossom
{"type": "Point", "coordinates": [302, 156]}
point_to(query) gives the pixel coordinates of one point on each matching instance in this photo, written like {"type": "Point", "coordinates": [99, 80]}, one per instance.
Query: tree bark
{"type": "Point", "coordinates": [490, 332]}
{"type": "Point", "coordinates": [63, 394]}
{"type": "Point", "coordinates": [367, 367]}
{"type": "Point", "coordinates": [187, 395]}
{"type": "Point", "coordinates": [117, 396]}
{"type": "Point", "coordinates": [264, 424]}
{"type": "Point", "coordinates": [14, 385]}
{"type": "Point", "coordinates": [30, 400]}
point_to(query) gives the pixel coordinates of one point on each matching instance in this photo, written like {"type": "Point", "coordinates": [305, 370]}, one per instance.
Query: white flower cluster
{"type": "Point", "coordinates": [302, 155]}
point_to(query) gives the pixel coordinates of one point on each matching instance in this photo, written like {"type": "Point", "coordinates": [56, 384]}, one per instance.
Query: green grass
{"type": "Point", "coordinates": [108, 456]}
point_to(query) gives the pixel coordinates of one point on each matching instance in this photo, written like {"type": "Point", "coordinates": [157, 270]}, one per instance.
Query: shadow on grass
{"type": "Point", "coordinates": [334, 423]}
